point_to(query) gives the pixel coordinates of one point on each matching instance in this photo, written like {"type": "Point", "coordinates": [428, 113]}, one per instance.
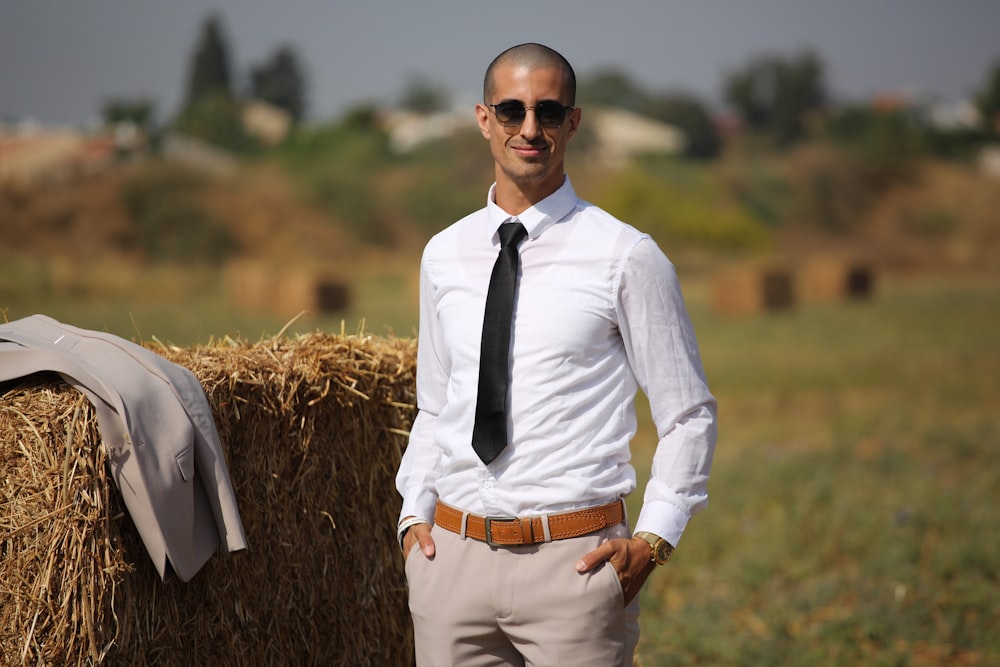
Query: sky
{"type": "Point", "coordinates": [60, 60]}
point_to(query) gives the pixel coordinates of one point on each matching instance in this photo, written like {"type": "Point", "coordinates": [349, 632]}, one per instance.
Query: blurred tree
{"type": "Point", "coordinates": [750, 92]}
{"type": "Point", "coordinates": [362, 116]}
{"type": "Point", "coordinates": [689, 115]}
{"type": "Point", "coordinates": [423, 96]}
{"type": "Point", "coordinates": [211, 111]}
{"type": "Point", "coordinates": [988, 100]}
{"type": "Point", "coordinates": [682, 206]}
{"type": "Point", "coordinates": [775, 95]}
{"type": "Point", "coordinates": [138, 111]}
{"type": "Point", "coordinates": [280, 81]}
{"type": "Point", "coordinates": [209, 75]}
{"type": "Point", "coordinates": [217, 119]}
{"type": "Point", "coordinates": [337, 166]}
{"type": "Point", "coordinates": [611, 87]}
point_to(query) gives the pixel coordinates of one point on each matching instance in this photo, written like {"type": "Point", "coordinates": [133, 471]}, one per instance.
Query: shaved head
{"type": "Point", "coordinates": [532, 56]}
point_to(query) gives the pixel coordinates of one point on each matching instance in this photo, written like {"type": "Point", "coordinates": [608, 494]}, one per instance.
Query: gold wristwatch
{"type": "Point", "coordinates": [662, 550]}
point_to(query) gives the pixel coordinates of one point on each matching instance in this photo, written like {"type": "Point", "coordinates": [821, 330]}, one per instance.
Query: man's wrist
{"type": "Point", "coordinates": [405, 525]}
{"type": "Point", "coordinates": [660, 549]}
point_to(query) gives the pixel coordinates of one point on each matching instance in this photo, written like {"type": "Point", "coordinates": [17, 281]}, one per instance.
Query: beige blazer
{"type": "Point", "coordinates": [163, 449]}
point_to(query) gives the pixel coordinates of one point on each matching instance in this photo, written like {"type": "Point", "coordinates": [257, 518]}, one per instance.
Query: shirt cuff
{"type": "Point", "coordinates": [422, 506]}
{"type": "Point", "coordinates": [663, 519]}
{"type": "Point", "coordinates": [405, 525]}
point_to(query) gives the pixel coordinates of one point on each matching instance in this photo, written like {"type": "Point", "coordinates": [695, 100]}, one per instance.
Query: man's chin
{"type": "Point", "coordinates": [527, 176]}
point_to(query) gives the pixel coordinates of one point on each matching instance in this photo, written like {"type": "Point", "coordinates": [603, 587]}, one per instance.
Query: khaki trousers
{"type": "Point", "coordinates": [474, 605]}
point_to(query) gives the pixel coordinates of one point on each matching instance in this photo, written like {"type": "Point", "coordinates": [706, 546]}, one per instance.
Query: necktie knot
{"type": "Point", "coordinates": [511, 233]}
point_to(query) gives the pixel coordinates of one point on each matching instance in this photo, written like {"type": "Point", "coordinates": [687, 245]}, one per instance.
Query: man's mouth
{"type": "Point", "coordinates": [529, 150]}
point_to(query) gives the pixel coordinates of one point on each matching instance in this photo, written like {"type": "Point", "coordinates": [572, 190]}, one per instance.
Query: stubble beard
{"type": "Point", "coordinates": [525, 176]}
{"type": "Point", "coordinates": [527, 170]}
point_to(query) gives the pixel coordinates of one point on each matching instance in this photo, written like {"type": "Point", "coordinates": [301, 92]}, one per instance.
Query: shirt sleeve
{"type": "Point", "coordinates": [419, 470]}
{"type": "Point", "coordinates": [663, 353]}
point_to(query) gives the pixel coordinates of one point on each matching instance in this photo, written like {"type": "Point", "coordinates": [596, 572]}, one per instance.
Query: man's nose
{"type": "Point", "coordinates": [530, 127]}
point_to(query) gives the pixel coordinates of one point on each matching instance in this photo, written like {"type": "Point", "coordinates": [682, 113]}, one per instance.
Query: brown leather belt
{"type": "Point", "coordinates": [512, 531]}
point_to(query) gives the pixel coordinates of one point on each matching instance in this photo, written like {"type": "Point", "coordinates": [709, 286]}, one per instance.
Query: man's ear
{"type": "Point", "coordinates": [573, 118]}
{"type": "Point", "coordinates": [483, 118]}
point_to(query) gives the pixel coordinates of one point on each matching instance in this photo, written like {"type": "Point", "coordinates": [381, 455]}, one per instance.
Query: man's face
{"type": "Point", "coordinates": [529, 157]}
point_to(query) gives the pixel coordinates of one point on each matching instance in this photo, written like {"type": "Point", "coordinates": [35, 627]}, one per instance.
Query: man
{"type": "Point", "coordinates": [519, 553]}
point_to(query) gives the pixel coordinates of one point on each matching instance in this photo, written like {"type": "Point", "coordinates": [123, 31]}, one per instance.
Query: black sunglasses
{"type": "Point", "coordinates": [549, 114]}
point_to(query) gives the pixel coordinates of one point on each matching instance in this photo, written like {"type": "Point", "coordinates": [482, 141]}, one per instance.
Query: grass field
{"type": "Point", "coordinates": [854, 512]}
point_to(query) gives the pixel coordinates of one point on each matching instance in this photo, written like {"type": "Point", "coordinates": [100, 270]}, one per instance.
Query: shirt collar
{"type": "Point", "coordinates": [539, 217]}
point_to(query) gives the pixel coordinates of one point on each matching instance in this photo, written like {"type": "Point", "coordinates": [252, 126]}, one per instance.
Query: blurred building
{"type": "Point", "coordinates": [31, 154]}
{"type": "Point", "coordinates": [265, 122]}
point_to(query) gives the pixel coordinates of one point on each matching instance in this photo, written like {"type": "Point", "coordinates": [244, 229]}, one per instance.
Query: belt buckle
{"type": "Point", "coordinates": [489, 527]}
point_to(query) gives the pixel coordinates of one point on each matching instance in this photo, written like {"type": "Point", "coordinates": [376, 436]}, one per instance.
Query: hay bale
{"type": "Point", "coordinates": [256, 286]}
{"type": "Point", "coordinates": [332, 295]}
{"type": "Point", "coordinates": [778, 289]}
{"type": "Point", "coordinates": [822, 278]}
{"type": "Point", "coordinates": [313, 429]}
{"type": "Point", "coordinates": [828, 278]}
{"type": "Point", "coordinates": [735, 291]}
{"type": "Point", "coordinates": [308, 290]}
{"type": "Point", "coordinates": [247, 283]}
{"type": "Point", "coordinates": [751, 288]}
{"type": "Point", "coordinates": [860, 281]}
{"type": "Point", "coordinates": [294, 291]}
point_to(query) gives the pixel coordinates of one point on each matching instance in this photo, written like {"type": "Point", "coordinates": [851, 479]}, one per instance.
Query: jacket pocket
{"type": "Point", "coordinates": [185, 462]}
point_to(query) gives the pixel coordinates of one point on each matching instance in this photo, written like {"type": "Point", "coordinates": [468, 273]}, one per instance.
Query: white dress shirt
{"type": "Point", "coordinates": [598, 314]}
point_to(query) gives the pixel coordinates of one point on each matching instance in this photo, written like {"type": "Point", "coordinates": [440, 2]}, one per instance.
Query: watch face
{"type": "Point", "coordinates": [661, 548]}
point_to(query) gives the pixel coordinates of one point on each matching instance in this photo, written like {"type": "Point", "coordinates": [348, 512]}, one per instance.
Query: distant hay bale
{"type": "Point", "coordinates": [332, 296]}
{"type": "Point", "coordinates": [734, 292]}
{"type": "Point", "coordinates": [294, 292]}
{"type": "Point", "coordinates": [247, 284]}
{"type": "Point", "coordinates": [256, 286]}
{"type": "Point", "coordinates": [308, 290]}
{"type": "Point", "coordinates": [750, 289]}
{"type": "Point", "coordinates": [313, 429]}
{"type": "Point", "coordinates": [824, 278]}
{"type": "Point", "coordinates": [779, 289]}
{"type": "Point", "coordinates": [860, 281]}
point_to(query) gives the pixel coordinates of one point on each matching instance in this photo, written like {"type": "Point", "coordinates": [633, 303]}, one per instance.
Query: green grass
{"type": "Point", "coordinates": [853, 516]}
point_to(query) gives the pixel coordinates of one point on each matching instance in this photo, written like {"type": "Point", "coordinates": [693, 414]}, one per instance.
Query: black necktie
{"type": "Point", "coordinates": [489, 435]}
